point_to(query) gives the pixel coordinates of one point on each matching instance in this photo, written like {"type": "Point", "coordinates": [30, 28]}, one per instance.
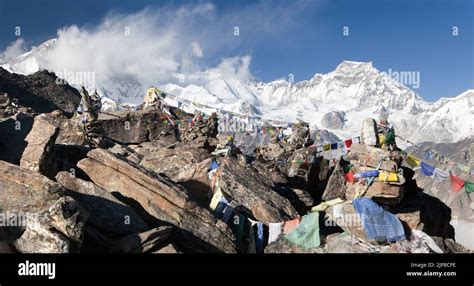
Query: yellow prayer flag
{"type": "Point", "coordinates": [326, 147]}
{"type": "Point", "coordinates": [388, 177]}
{"type": "Point", "coordinates": [412, 161]}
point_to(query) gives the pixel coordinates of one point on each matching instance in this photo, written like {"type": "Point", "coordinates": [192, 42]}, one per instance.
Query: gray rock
{"type": "Point", "coordinates": [344, 243]}
{"type": "Point", "coordinates": [40, 91]}
{"type": "Point", "coordinates": [67, 217]}
{"type": "Point", "coordinates": [281, 245]}
{"type": "Point", "coordinates": [334, 120]}
{"type": "Point", "coordinates": [105, 211]}
{"type": "Point", "coordinates": [38, 238]}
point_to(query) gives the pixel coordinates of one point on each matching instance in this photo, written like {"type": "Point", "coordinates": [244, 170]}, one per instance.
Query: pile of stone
{"type": "Point", "coordinates": [300, 136]}
{"type": "Point", "coordinates": [153, 185]}
{"type": "Point", "coordinates": [200, 129]}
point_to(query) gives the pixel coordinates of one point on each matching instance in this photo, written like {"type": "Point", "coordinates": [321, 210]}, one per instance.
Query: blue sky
{"type": "Point", "coordinates": [297, 37]}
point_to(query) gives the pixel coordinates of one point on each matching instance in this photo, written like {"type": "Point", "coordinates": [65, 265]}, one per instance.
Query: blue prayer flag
{"type": "Point", "coordinates": [426, 169]}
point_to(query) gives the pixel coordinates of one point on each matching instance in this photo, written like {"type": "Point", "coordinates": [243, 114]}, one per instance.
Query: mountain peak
{"type": "Point", "coordinates": [352, 66]}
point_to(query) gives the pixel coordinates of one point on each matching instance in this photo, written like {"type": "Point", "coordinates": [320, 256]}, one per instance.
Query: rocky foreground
{"type": "Point", "coordinates": [144, 185]}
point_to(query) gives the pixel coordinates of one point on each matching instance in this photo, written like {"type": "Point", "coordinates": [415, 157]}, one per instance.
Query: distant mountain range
{"type": "Point", "coordinates": [337, 101]}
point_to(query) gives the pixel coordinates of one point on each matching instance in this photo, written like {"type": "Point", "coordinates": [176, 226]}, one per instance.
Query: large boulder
{"type": "Point", "coordinates": [43, 209]}
{"type": "Point", "coordinates": [134, 127]}
{"type": "Point", "coordinates": [272, 176]}
{"type": "Point", "coordinates": [59, 229]}
{"type": "Point", "coordinates": [38, 154]}
{"type": "Point", "coordinates": [187, 165]}
{"type": "Point", "coordinates": [26, 190]}
{"type": "Point", "coordinates": [106, 213]}
{"type": "Point", "coordinates": [64, 149]}
{"type": "Point", "coordinates": [270, 152]}
{"type": "Point", "coordinates": [40, 91]}
{"type": "Point", "coordinates": [336, 186]}
{"type": "Point", "coordinates": [71, 131]}
{"type": "Point", "coordinates": [240, 183]}
{"type": "Point", "coordinates": [160, 197]}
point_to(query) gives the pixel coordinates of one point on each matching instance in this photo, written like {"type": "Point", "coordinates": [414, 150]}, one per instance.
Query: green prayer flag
{"type": "Point", "coordinates": [306, 235]}
{"type": "Point", "coordinates": [469, 187]}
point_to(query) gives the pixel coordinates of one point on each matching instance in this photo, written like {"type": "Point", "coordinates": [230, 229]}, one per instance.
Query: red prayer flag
{"type": "Point", "coordinates": [349, 177]}
{"type": "Point", "coordinates": [348, 143]}
{"type": "Point", "coordinates": [456, 183]}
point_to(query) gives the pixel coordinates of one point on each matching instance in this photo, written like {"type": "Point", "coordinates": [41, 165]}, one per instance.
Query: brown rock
{"type": "Point", "coordinates": [105, 211]}
{"type": "Point", "coordinates": [194, 179]}
{"type": "Point", "coordinates": [173, 162]}
{"type": "Point", "coordinates": [240, 183]}
{"type": "Point", "coordinates": [378, 191]}
{"type": "Point", "coordinates": [453, 247]}
{"type": "Point", "coordinates": [70, 130]}
{"type": "Point", "coordinates": [368, 156]}
{"type": "Point", "coordinates": [160, 197]}
{"type": "Point", "coordinates": [38, 153]}
{"type": "Point", "coordinates": [135, 127]}
{"type": "Point", "coordinates": [25, 190]}
{"type": "Point", "coordinates": [336, 187]}
{"type": "Point", "coordinates": [143, 242]}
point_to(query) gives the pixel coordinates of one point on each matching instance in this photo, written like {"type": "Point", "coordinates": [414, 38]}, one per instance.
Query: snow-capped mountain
{"type": "Point", "coordinates": [28, 63]}
{"type": "Point", "coordinates": [337, 101]}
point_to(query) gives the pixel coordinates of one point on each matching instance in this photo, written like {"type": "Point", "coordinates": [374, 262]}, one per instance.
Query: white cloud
{"type": "Point", "coordinates": [157, 46]}
{"type": "Point", "coordinates": [13, 50]}
{"type": "Point", "coordinates": [197, 50]}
